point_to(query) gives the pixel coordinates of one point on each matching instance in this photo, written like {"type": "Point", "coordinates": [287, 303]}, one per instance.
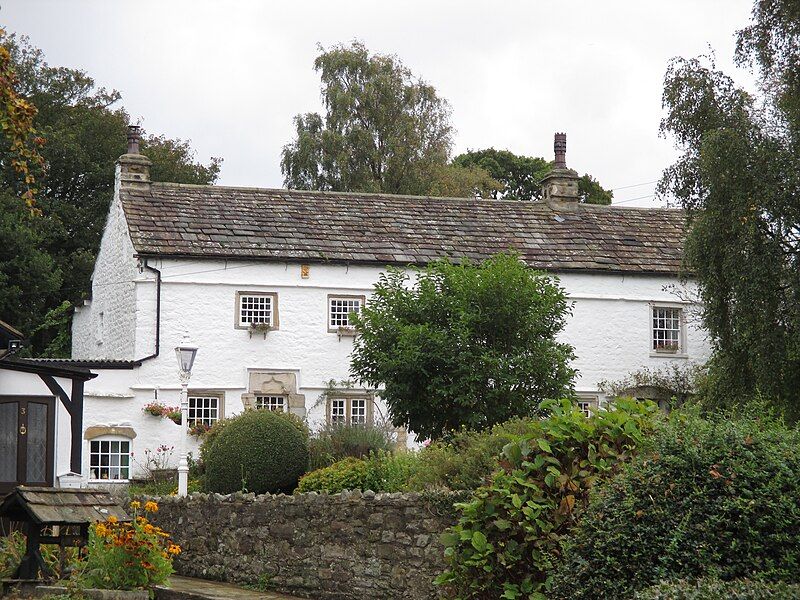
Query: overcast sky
{"type": "Point", "coordinates": [230, 75]}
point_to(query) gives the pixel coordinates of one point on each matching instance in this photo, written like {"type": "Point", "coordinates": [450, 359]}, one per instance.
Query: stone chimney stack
{"type": "Point", "coordinates": [133, 169]}
{"type": "Point", "coordinates": [560, 186]}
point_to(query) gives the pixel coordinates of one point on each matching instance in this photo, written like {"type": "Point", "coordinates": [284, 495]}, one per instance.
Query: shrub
{"type": "Point", "coordinates": [714, 589]}
{"type": "Point", "coordinates": [260, 451]}
{"type": "Point", "coordinates": [380, 472]}
{"type": "Point", "coordinates": [337, 441]}
{"type": "Point", "coordinates": [717, 497]}
{"type": "Point", "coordinates": [507, 540]}
{"type": "Point", "coordinates": [347, 474]}
{"type": "Point", "coordinates": [463, 345]}
{"type": "Point", "coordinates": [127, 556]}
{"type": "Point", "coordinates": [465, 459]}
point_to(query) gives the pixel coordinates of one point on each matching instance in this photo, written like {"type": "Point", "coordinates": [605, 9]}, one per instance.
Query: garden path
{"type": "Point", "coordinates": [189, 588]}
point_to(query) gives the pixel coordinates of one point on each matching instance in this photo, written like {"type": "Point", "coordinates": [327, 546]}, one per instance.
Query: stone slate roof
{"type": "Point", "coordinates": [43, 505]}
{"type": "Point", "coordinates": [176, 220]}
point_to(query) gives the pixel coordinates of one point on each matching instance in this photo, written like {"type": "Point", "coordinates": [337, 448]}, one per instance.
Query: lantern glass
{"type": "Point", "coordinates": [186, 354]}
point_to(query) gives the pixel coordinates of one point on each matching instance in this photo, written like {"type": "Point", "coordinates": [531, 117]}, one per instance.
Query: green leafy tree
{"type": "Point", "coordinates": [19, 142]}
{"type": "Point", "coordinates": [464, 345]}
{"type": "Point", "coordinates": [29, 276]}
{"type": "Point", "coordinates": [85, 133]}
{"type": "Point", "coordinates": [384, 130]}
{"type": "Point", "coordinates": [739, 179]}
{"type": "Point", "coordinates": [520, 177]}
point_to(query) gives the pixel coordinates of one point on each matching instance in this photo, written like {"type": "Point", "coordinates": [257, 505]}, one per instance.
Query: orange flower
{"type": "Point", "coordinates": [151, 506]}
{"type": "Point", "coordinates": [174, 549]}
{"type": "Point", "coordinates": [112, 519]}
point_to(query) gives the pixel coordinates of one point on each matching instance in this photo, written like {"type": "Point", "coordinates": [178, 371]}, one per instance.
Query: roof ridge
{"type": "Point", "coordinates": [384, 195]}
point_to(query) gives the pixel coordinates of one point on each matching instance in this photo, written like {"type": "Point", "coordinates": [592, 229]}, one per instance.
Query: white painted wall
{"type": "Point", "coordinates": [105, 326]}
{"type": "Point", "coordinates": [609, 329]}
{"type": "Point", "coordinates": [15, 383]}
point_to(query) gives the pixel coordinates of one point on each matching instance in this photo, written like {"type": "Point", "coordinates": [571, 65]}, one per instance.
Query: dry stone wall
{"type": "Point", "coordinates": [342, 546]}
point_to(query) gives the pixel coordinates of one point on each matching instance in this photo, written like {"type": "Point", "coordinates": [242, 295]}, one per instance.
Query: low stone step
{"type": "Point", "coordinates": [190, 588]}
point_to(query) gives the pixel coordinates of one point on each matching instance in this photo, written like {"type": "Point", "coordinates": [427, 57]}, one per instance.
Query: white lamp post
{"type": "Point", "coordinates": [186, 353]}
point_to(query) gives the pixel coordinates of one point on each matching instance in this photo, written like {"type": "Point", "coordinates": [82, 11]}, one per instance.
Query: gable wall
{"type": "Point", "coordinates": [105, 326]}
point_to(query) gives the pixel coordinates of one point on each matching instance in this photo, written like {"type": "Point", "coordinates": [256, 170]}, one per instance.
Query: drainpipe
{"type": "Point", "coordinates": [158, 310]}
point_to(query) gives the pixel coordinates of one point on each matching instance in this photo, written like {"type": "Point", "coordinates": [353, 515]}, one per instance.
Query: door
{"type": "Point", "coordinates": [27, 441]}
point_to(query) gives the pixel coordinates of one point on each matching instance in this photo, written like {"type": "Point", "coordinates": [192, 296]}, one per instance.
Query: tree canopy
{"type": "Point", "coordinates": [739, 178]}
{"type": "Point", "coordinates": [464, 345]}
{"type": "Point", "coordinates": [384, 130]}
{"type": "Point", "coordinates": [520, 177]}
{"type": "Point", "coordinates": [83, 132]}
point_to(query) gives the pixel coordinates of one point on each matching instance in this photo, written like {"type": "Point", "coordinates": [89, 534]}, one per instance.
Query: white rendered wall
{"type": "Point", "coordinates": [609, 329]}
{"type": "Point", "coordinates": [105, 327]}
{"type": "Point", "coordinates": [15, 383]}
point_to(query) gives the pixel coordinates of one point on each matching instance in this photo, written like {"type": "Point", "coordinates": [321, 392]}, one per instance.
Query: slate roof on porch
{"type": "Point", "coordinates": [177, 220]}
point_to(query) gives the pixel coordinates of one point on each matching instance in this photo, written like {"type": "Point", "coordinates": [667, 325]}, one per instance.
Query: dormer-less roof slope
{"type": "Point", "coordinates": [176, 220]}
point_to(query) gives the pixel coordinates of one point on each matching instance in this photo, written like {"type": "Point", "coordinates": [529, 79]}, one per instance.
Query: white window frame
{"type": "Point", "coordinates": [212, 413]}
{"type": "Point", "coordinates": [350, 409]}
{"type": "Point", "coordinates": [337, 327]}
{"type": "Point", "coordinates": [273, 402]}
{"type": "Point", "coordinates": [110, 440]}
{"type": "Point", "coordinates": [680, 350]}
{"type": "Point", "coordinates": [588, 402]}
{"type": "Point", "coordinates": [241, 322]}
{"type": "Point", "coordinates": [338, 411]}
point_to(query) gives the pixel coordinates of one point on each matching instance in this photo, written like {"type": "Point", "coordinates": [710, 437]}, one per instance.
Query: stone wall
{"type": "Point", "coordinates": [342, 546]}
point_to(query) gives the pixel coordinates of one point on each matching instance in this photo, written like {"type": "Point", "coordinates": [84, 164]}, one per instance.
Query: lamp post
{"type": "Point", "coordinates": [186, 353]}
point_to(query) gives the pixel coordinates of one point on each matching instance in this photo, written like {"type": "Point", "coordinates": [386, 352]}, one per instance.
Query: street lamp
{"type": "Point", "coordinates": [186, 353]}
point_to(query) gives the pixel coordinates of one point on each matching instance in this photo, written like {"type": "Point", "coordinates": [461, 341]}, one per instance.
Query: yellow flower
{"type": "Point", "coordinates": [112, 519]}
{"type": "Point", "coordinates": [136, 505]}
{"type": "Point", "coordinates": [100, 530]}
{"type": "Point", "coordinates": [174, 549]}
{"type": "Point", "coordinates": [151, 506]}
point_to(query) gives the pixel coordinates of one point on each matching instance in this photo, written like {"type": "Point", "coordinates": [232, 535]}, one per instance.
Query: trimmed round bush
{"type": "Point", "coordinates": [717, 497]}
{"type": "Point", "coordinates": [714, 589]}
{"type": "Point", "coordinates": [259, 451]}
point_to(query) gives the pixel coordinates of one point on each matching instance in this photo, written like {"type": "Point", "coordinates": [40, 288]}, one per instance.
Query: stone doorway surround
{"type": "Point", "coordinates": [274, 383]}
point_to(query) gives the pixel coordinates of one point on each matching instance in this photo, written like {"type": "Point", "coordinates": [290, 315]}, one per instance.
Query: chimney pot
{"type": "Point", "coordinates": [134, 136]}
{"type": "Point", "coordinates": [134, 168]}
{"type": "Point", "coordinates": [560, 186]}
{"type": "Point", "coordinates": [560, 149]}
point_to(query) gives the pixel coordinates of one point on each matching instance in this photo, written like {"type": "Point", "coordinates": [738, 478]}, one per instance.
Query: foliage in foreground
{"type": "Point", "coordinates": [127, 556]}
{"type": "Point", "coordinates": [379, 472]}
{"type": "Point", "coordinates": [336, 441]}
{"type": "Point", "coordinates": [464, 345]}
{"type": "Point", "coordinates": [716, 497]}
{"type": "Point", "coordinates": [464, 460]}
{"type": "Point", "coordinates": [507, 540]}
{"type": "Point", "coordinates": [259, 451]}
{"type": "Point", "coordinates": [714, 589]}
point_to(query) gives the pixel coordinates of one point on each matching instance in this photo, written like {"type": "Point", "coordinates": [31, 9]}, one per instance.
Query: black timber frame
{"type": "Point", "coordinates": [72, 402]}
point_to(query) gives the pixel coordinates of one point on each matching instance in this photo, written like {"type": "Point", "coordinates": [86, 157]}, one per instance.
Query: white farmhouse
{"type": "Point", "coordinates": [263, 280]}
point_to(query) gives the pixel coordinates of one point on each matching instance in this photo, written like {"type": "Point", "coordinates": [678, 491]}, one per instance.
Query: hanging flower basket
{"type": "Point", "coordinates": [173, 413]}
{"type": "Point", "coordinates": [155, 409]}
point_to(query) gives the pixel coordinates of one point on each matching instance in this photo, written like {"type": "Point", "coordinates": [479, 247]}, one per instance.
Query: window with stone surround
{"type": "Point", "coordinates": [339, 310]}
{"type": "Point", "coordinates": [205, 407]}
{"type": "Point", "coordinates": [255, 308]}
{"type": "Point", "coordinates": [274, 403]}
{"type": "Point", "coordinates": [109, 459]}
{"type": "Point", "coordinates": [667, 330]}
{"type": "Point", "coordinates": [354, 408]}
